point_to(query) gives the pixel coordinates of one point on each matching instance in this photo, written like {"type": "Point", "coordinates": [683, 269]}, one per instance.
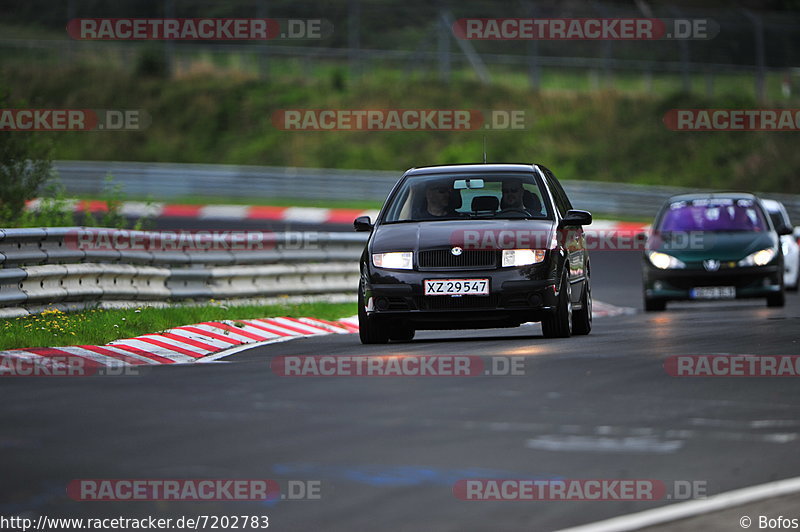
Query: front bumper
{"type": "Point", "coordinates": [677, 284]}
{"type": "Point", "coordinates": [512, 300]}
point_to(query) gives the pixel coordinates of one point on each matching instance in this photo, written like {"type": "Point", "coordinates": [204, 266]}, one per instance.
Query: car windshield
{"type": "Point", "coordinates": [464, 196]}
{"type": "Point", "coordinates": [717, 214]}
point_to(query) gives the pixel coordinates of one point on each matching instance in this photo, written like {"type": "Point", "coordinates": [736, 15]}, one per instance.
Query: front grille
{"type": "Point", "coordinates": [739, 281]}
{"type": "Point", "coordinates": [444, 259]}
{"type": "Point", "coordinates": [455, 303]}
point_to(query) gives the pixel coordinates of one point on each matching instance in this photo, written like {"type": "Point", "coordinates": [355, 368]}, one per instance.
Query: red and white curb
{"type": "Point", "coordinates": [204, 342]}
{"type": "Point", "coordinates": [316, 215]}
{"type": "Point", "coordinates": [187, 344]}
{"type": "Point", "coordinates": [222, 212]}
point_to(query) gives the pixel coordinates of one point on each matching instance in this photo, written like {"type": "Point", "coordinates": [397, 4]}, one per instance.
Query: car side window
{"type": "Point", "coordinates": [559, 196]}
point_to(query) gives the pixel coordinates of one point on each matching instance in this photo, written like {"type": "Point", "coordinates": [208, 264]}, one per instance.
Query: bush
{"type": "Point", "coordinates": [152, 63]}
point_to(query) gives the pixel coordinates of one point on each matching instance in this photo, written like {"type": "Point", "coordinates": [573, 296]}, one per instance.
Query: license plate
{"type": "Point", "coordinates": [714, 292]}
{"type": "Point", "coordinates": [456, 287]}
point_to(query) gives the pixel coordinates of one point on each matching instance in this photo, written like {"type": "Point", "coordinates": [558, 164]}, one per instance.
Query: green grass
{"type": "Point", "coordinates": [97, 327]}
{"type": "Point", "coordinates": [603, 135]}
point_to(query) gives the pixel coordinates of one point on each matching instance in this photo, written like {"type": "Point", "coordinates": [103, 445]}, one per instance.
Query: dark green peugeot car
{"type": "Point", "coordinates": [712, 246]}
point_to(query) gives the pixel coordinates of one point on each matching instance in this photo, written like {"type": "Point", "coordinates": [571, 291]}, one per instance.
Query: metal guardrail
{"type": "Point", "coordinates": [172, 180]}
{"type": "Point", "coordinates": [46, 266]}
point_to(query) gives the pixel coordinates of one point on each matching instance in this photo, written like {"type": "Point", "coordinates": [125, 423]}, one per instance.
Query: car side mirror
{"type": "Point", "coordinates": [576, 217]}
{"type": "Point", "coordinates": [784, 229]}
{"type": "Point", "coordinates": [362, 223]}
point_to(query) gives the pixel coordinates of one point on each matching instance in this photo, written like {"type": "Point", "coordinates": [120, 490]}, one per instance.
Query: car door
{"type": "Point", "coordinates": [573, 237]}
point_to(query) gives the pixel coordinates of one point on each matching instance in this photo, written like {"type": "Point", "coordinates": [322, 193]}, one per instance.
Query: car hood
{"type": "Point", "coordinates": [722, 246]}
{"type": "Point", "coordinates": [442, 234]}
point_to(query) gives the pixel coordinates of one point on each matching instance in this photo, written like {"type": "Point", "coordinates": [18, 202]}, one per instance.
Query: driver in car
{"type": "Point", "coordinates": [437, 196]}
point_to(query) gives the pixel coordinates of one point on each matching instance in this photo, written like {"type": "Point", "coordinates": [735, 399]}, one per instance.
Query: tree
{"type": "Point", "coordinates": [25, 165]}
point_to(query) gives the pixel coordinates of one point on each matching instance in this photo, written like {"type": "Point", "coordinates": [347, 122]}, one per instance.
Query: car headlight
{"type": "Point", "coordinates": [662, 261]}
{"type": "Point", "coordinates": [396, 260]}
{"type": "Point", "coordinates": [522, 257]}
{"type": "Point", "coordinates": [759, 258]}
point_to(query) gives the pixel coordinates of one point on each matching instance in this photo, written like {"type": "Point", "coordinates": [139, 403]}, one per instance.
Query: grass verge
{"type": "Point", "coordinates": [54, 328]}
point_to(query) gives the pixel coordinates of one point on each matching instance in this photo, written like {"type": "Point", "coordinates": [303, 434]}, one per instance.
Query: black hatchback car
{"type": "Point", "coordinates": [474, 246]}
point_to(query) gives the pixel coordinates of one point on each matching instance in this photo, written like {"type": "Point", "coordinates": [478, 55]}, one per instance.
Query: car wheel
{"type": "Point", "coordinates": [654, 305]}
{"type": "Point", "coordinates": [559, 324]}
{"type": "Point", "coordinates": [582, 319]}
{"type": "Point", "coordinates": [776, 300]}
{"type": "Point", "coordinates": [370, 330]}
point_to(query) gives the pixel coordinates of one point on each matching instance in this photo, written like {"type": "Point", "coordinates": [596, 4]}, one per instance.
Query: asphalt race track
{"type": "Point", "coordinates": [388, 451]}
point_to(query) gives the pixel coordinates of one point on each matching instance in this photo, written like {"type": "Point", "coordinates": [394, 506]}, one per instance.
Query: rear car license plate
{"type": "Point", "coordinates": [714, 292]}
{"type": "Point", "coordinates": [456, 287]}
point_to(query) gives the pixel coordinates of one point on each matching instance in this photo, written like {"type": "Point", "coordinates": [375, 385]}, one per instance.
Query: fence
{"type": "Point", "coordinates": [416, 38]}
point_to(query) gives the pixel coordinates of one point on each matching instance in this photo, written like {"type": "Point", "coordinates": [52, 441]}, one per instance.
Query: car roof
{"type": "Point", "coordinates": [712, 195]}
{"type": "Point", "coordinates": [468, 168]}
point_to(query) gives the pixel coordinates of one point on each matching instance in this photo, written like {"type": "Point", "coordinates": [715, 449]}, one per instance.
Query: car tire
{"type": "Point", "coordinates": [776, 300]}
{"type": "Point", "coordinates": [559, 323]}
{"type": "Point", "coordinates": [582, 319]}
{"type": "Point", "coordinates": [402, 333]}
{"type": "Point", "coordinates": [655, 305]}
{"type": "Point", "coordinates": [370, 330]}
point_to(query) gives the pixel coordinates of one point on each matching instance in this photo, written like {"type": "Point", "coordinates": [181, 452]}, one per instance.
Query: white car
{"type": "Point", "coordinates": [791, 248]}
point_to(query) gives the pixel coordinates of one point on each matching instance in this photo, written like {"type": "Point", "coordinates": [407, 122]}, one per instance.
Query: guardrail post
{"type": "Point", "coordinates": [534, 69]}
{"type": "Point", "coordinates": [354, 37]}
{"type": "Point", "coordinates": [169, 46]}
{"type": "Point", "coordinates": [443, 34]}
{"type": "Point", "coordinates": [263, 48]}
{"type": "Point", "coordinates": [758, 34]}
